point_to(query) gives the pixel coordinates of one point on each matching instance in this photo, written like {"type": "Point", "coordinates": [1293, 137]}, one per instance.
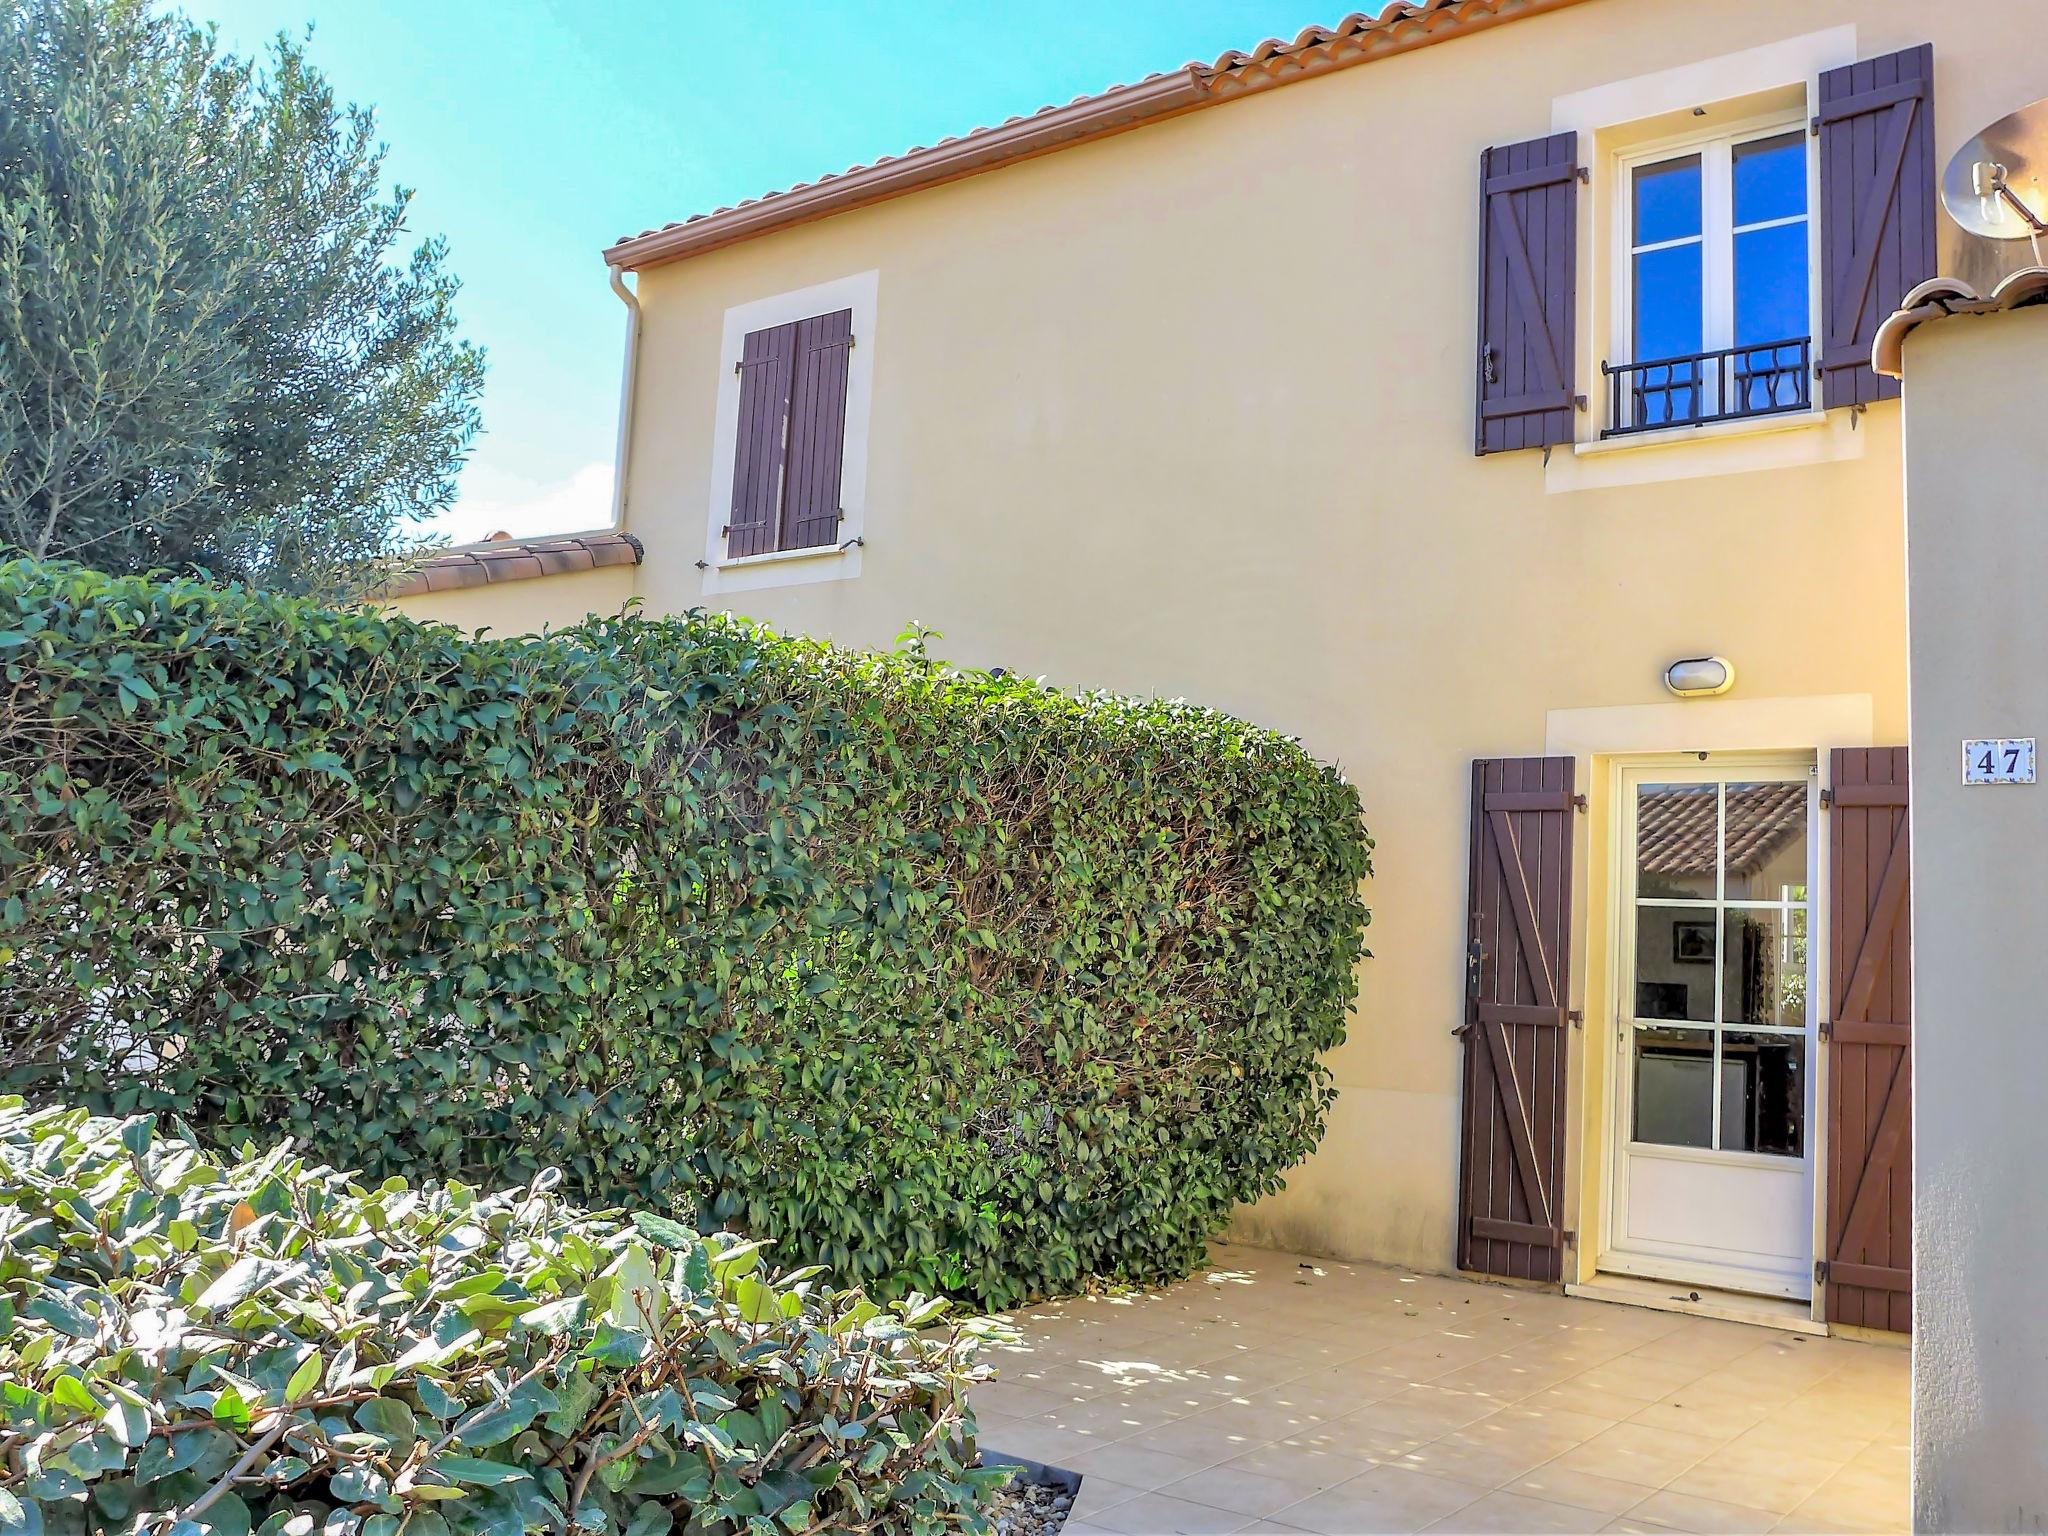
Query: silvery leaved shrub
{"type": "Point", "coordinates": [193, 1345]}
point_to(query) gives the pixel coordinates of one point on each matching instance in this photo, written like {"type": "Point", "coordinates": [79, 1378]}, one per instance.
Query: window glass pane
{"type": "Point", "coordinates": [1763, 970]}
{"type": "Point", "coordinates": [1667, 303]}
{"type": "Point", "coordinates": [1770, 283]}
{"type": "Point", "coordinates": [1674, 1097]}
{"type": "Point", "coordinates": [1675, 963]}
{"type": "Point", "coordinates": [1770, 178]}
{"type": "Point", "coordinates": [1677, 831]}
{"type": "Point", "coordinates": [1767, 841]}
{"type": "Point", "coordinates": [1667, 200]}
{"type": "Point", "coordinates": [1763, 1093]}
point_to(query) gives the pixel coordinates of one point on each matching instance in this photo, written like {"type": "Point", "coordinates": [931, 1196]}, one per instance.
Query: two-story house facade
{"type": "Point", "coordinates": [1480, 391]}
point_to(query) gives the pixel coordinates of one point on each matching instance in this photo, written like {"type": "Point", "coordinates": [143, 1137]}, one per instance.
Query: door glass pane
{"type": "Point", "coordinates": [1675, 963]}
{"type": "Point", "coordinates": [1770, 178]}
{"type": "Point", "coordinates": [1674, 1095]}
{"type": "Point", "coordinates": [1763, 978]}
{"type": "Point", "coordinates": [1767, 841]}
{"type": "Point", "coordinates": [1667, 201]}
{"type": "Point", "coordinates": [1770, 284]}
{"type": "Point", "coordinates": [1763, 1093]}
{"type": "Point", "coordinates": [1677, 829]}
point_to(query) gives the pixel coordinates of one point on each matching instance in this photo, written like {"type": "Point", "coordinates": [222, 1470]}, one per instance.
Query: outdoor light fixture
{"type": "Point", "coordinates": [1700, 677]}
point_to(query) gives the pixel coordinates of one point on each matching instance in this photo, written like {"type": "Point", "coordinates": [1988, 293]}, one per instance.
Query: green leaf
{"type": "Point", "coordinates": [388, 1418]}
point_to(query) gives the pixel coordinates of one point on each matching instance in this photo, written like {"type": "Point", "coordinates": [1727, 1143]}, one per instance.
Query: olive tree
{"type": "Point", "coordinates": [213, 350]}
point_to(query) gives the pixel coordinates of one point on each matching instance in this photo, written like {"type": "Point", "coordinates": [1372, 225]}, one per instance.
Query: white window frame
{"type": "Point", "coordinates": [825, 562]}
{"type": "Point", "coordinates": [1716, 148]}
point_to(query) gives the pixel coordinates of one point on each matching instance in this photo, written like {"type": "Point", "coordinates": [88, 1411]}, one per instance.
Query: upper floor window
{"type": "Point", "coordinates": [789, 447]}
{"type": "Point", "coordinates": [1717, 290]}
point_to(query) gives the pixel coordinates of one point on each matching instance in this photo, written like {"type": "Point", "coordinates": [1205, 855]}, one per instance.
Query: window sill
{"type": "Point", "coordinates": [1741, 426]}
{"type": "Point", "coordinates": [781, 557]}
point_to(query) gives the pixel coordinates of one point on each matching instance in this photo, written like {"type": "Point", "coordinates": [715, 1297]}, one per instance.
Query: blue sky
{"type": "Point", "coordinates": [537, 131]}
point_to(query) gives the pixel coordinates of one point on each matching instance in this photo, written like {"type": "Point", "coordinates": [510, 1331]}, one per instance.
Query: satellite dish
{"type": "Point", "coordinates": [1996, 186]}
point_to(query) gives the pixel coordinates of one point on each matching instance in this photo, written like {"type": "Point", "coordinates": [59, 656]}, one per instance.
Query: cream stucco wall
{"type": "Point", "coordinates": [1976, 460]}
{"type": "Point", "coordinates": [1188, 411]}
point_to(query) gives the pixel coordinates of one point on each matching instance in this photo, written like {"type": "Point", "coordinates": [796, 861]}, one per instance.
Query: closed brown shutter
{"type": "Point", "coordinates": [817, 430]}
{"type": "Point", "coordinates": [1528, 268]}
{"type": "Point", "coordinates": [1517, 1039]}
{"type": "Point", "coordinates": [1877, 193]}
{"type": "Point", "coordinates": [1869, 1257]}
{"type": "Point", "coordinates": [762, 440]}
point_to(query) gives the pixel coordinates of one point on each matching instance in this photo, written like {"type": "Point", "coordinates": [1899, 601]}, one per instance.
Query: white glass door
{"type": "Point", "coordinates": [1713, 1164]}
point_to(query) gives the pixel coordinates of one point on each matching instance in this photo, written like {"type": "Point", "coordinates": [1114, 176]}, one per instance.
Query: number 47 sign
{"type": "Point", "coordinates": [2009, 760]}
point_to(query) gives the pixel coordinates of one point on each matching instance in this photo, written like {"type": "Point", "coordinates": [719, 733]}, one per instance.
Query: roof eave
{"type": "Point", "coordinates": [1401, 28]}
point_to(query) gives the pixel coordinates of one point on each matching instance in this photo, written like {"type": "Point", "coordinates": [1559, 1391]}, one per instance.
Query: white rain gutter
{"type": "Point", "coordinates": [622, 451]}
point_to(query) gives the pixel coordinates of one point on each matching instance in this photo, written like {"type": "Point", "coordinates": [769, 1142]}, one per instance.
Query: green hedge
{"type": "Point", "coordinates": [197, 1346]}
{"type": "Point", "coordinates": [945, 980]}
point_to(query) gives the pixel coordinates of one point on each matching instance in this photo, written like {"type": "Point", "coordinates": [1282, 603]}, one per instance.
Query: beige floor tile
{"type": "Point", "coordinates": [1640, 1376]}
{"type": "Point", "coordinates": [1774, 1478]}
{"type": "Point", "coordinates": [1312, 1469]}
{"type": "Point", "coordinates": [1425, 1408]}
{"type": "Point", "coordinates": [1141, 1467]}
{"type": "Point", "coordinates": [1710, 1517]}
{"type": "Point", "coordinates": [1701, 1410]}
{"type": "Point", "coordinates": [1037, 1442]}
{"type": "Point", "coordinates": [1878, 1498]}
{"type": "Point", "coordinates": [1160, 1514]}
{"type": "Point", "coordinates": [1383, 1499]}
{"type": "Point", "coordinates": [1231, 1486]}
{"type": "Point", "coordinates": [1502, 1447]}
{"type": "Point", "coordinates": [1518, 1515]}
{"type": "Point", "coordinates": [1214, 1436]}
{"type": "Point", "coordinates": [1576, 1396]}
{"type": "Point", "coordinates": [1627, 1524]}
{"type": "Point", "coordinates": [1636, 1453]}
{"type": "Point", "coordinates": [1099, 1494]}
{"type": "Point", "coordinates": [1562, 1485]}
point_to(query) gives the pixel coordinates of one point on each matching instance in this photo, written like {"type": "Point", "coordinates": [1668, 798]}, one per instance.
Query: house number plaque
{"type": "Point", "coordinates": [2008, 760]}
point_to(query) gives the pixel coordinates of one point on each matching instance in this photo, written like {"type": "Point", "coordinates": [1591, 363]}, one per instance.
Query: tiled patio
{"type": "Point", "coordinates": [1280, 1394]}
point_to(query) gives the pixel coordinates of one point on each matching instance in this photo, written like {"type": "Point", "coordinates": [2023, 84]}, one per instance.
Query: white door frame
{"type": "Point", "coordinates": [1698, 767]}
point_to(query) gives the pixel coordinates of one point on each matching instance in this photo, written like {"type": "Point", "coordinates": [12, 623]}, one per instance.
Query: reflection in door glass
{"type": "Point", "coordinates": [1675, 963]}
{"type": "Point", "coordinates": [1674, 1087]}
{"type": "Point", "coordinates": [1763, 1093]}
{"type": "Point", "coordinates": [1767, 842]}
{"type": "Point", "coordinates": [1763, 980]}
{"type": "Point", "coordinates": [1677, 836]}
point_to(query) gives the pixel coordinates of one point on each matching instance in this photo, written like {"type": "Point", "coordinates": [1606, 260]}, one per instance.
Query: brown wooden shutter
{"type": "Point", "coordinates": [762, 440]}
{"type": "Point", "coordinates": [1528, 269]}
{"type": "Point", "coordinates": [1516, 1030]}
{"type": "Point", "coordinates": [1877, 195]}
{"type": "Point", "coordinates": [817, 430]}
{"type": "Point", "coordinates": [1868, 1264]}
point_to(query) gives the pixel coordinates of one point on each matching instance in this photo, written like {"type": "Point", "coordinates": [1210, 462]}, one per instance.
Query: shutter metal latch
{"type": "Point", "coordinates": [1491, 373]}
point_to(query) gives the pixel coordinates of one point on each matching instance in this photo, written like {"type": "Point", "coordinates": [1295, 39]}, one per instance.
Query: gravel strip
{"type": "Point", "coordinates": [1031, 1509]}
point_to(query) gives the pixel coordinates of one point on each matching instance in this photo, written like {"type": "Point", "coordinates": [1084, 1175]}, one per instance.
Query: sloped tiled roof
{"type": "Point", "coordinates": [1358, 39]}
{"type": "Point", "coordinates": [501, 559]}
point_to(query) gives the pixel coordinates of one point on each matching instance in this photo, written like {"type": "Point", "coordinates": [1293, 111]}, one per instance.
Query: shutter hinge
{"type": "Point", "coordinates": [1814, 127]}
{"type": "Point", "coordinates": [737, 365]}
{"type": "Point", "coordinates": [1580, 802]}
{"type": "Point", "coordinates": [1820, 1271]}
{"type": "Point", "coordinates": [1578, 402]}
{"type": "Point", "coordinates": [1577, 1017]}
{"type": "Point", "coordinates": [1827, 798]}
{"type": "Point", "coordinates": [1584, 174]}
{"type": "Point", "coordinates": [1827, 1029]}
{"type": "Point", "coordinates": [1571, 1238]}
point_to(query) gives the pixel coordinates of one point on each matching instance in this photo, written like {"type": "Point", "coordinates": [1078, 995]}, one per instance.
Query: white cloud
{"type": "Point", "coordinates": [492, 500]}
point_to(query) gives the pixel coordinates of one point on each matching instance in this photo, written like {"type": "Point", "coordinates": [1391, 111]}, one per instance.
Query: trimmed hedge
{"type": "Point", "coordinates": [945, 980]}
{"type": "Point", "coordinates": [195, 1346]}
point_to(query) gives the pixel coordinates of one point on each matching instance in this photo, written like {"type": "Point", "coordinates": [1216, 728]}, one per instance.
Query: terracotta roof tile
{"type": "Point", "coordinates": [1357, 39]}
{"type": "Point", "coordinates": [1940, 296]}
{"type": "Point", "coordinates": [497, 560]}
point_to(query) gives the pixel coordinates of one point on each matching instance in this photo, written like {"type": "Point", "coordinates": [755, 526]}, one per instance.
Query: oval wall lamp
{"type": "Point", "coordinates": [1700, 677]}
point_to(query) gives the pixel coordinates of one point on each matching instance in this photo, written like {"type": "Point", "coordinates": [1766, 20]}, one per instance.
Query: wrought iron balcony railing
{"type": "Point", "coordinates": [1761, 379]}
